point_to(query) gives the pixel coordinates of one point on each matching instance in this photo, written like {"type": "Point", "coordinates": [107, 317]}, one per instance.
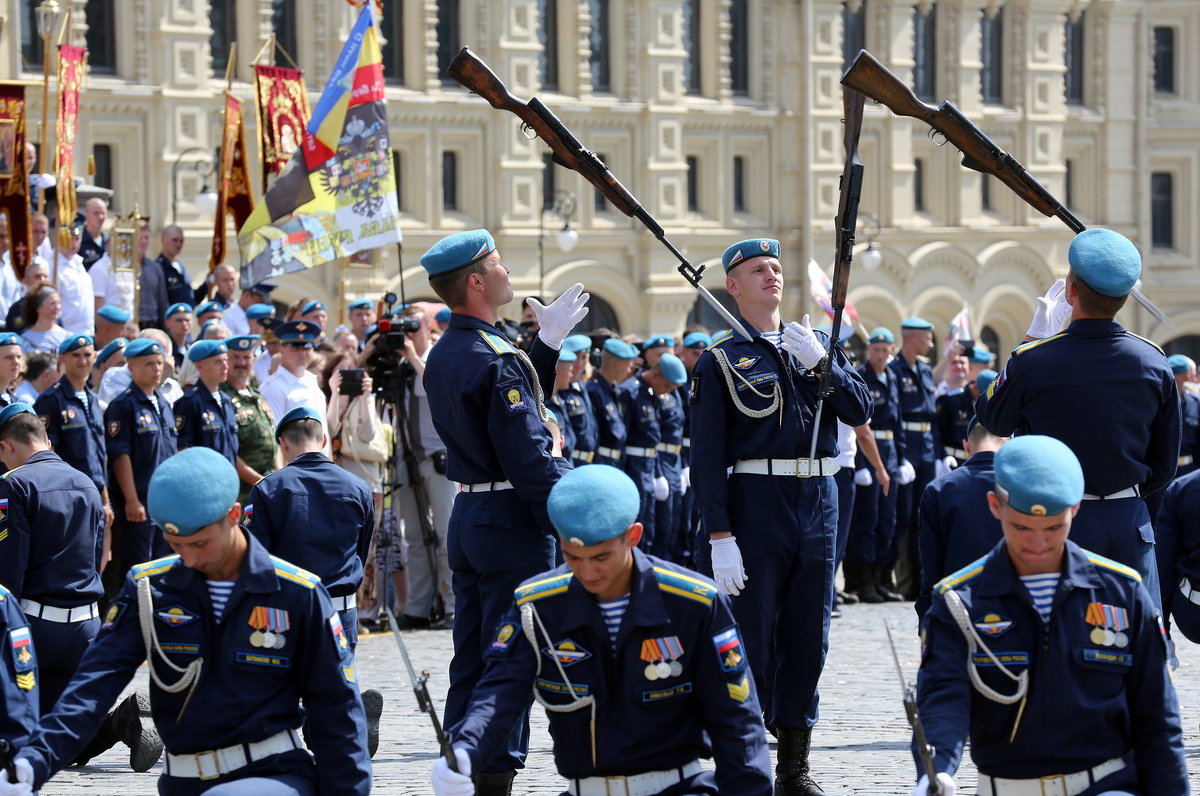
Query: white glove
{"type": "Point", "coordinates": [556, 320]}
{"type": "Point", "coordinates": [862, 477]}
{"type": "Point", "coordinates": [453, 783]}
{"type": "Point", "coordinates": [802, 344]}
{"type": "Point", "coordinates": [1052, 312]}
{"type": "Point", "coordinates": [944, 780]}
{"type": "Point", "coordinates": [950, 463]}
{"type": "Point", "coordinates": [44, 180]}
{"type": "Point", "coordinates": [685, 480]}
{"type": "Point", "coordinates": [906, 474]}
{"type": "Point", "coordinates": [728, 571]}
{"type": "Point", "coordinates": [940, 468]}
{"type": "Point", "coordinates": [662, 489]}
{"type": "Point", "coordinates": [24, 784]}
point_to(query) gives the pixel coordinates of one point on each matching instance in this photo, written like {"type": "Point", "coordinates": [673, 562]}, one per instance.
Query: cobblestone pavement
{"type": "Point", "coordinates": [860, 744]}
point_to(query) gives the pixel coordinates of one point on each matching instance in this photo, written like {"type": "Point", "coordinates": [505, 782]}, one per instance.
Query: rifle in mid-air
{"type": "Point", "coordinates": [871, 78]}
{"type": "Point", "coordinates": [914, 720]}
{"type": "Point", "coordinates": [424, 700]}
{"type": "Point", "coordinates": [540, 122]}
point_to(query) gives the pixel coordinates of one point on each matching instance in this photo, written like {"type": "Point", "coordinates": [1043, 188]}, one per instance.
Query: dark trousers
{"type": "Point", "coordinates": [846, 489]}
{"type": "Point", "coordinates": [666, 521]}
{"type": "Point", "coordinates": [908, 560]}
{"type": "Point", "coordinates": [60, 646]}
{"type": "Point", "coordinates": [873, 529]}
{"type": "Point", "coordinates": [1120, 530]}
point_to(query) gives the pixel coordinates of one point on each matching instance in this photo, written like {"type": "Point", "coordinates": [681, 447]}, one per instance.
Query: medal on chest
{"type": "Point", "coordinates": [1109, 623]}
{"type": "Point", "coordinates": [662, 657]}
{"type": "Point", "coordinates": [269, 625]}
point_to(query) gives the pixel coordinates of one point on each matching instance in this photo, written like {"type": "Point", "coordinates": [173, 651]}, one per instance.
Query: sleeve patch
{"type": "Point", "coordinates": [339, 634]}
{"type": "Point", "coordinates": [179, 422]}
{"type": "Point", "coordinates": [731, 655]}
{"type": "Point", "coordinates": [248, 515]}
{"type": "Point", "coordinates": [739, 691]}
{"type": "Point", "coordinates": [24, 659]}
{"type": "Point", "coordinates": [3, 512]}
{"type": "Point", "coordinates": [506, 636]}
{"type": "Point", "coordinates": [515, 397]}
{"type": "Point", "coordinates": [114, 428]}
{"type": "Point", "coordinates": [115, 612]}
{"type": "Point", "coordinates": [694, 390]}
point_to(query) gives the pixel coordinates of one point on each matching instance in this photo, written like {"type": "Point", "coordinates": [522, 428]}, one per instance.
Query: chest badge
{"type": "Point", "coordinates": [745, 363]}
{"type": "Point", "coordinates": [1109, 623]}
{"type": "Point", "coordinates": [662, 657]}
{"type": "Point", "coordinates": [994, 625]}
{"type": "Point", "coordinates": [176, 616]}
{"type": "Point", "coordinates": [567, 652]}
{"type": "Point", "coordinates": [269, 625]}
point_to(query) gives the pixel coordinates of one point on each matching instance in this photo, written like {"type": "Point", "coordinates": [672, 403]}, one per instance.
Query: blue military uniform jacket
{"type": "Point", "coordinates": [318, 515]}
{"type": "Point", "coordinates": [75, 431]}
{"type": "Point", "coordinates": [954, 412]}
{"type": "Point", "coordinates": [18, 674]}
{"type": "Point", "coordinates": [559, 409]}
{"type": "Point", "coordinates": [51, 533]}
{"type": "Point", "coordinates": [641, 431]}
{"type": "Point", "coordinates": [1087, 702]}
{"type": "Point", "coordinates": [885, 416]}
{"type": "Point", "coordinates": [917, 405]}
{"type": "Point", "coordinates": [709, 709]}
{"type": "Point", "coordinates": [1177, 543]}
{"type": "Point", "coordinates": [147, 434]}
{"type": "Point", "coordinates": [671, 429]}
{"type": "Point", "coordinates": [1189, 442]}
{"type": "Point", "coordinates": [202, 422]}
{"type": "Point", "coordinates": [608, 410]}
{"type": "Point", "coordinates": [580, 414]}
{"type": "Point", "coordinates": [1127, 431]}
{"type": "Point", "coordinates": [244, 693]}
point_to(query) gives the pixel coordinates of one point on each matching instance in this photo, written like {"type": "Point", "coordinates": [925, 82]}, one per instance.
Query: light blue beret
{"type": "Point", "coordinates": [592, 504]}
{"type": "Point", "coordinates": [141, 347]}
{"type": "Point", "coordinates": [916, 323]}
{"type": "Point", "coordinates": [619, 348]}
{"type": "Point", "coordinates": [73, 342]}
{"type": "Point", "coordinates": [203, 349]}
{"type": "Point", "coordinates": [192, 490]}
{"type": "Point", "coordinates": [696, 340]}
{"type": "Point", "coordinates": [577, 343]}
{"type": "Point", "coordinates": [243, 342]}
{"type": "Point", "coordinates": [984, 380]}
{"type": "Point", "coordinates": [298, 332]}
{"type": "Point", "coordinates": [359, 304]}
{"type": "Point", "coordinates": [881, 334]}
{"type": "Point", "coordinates": [210, 306]}
{"type": "Point", "coordinates": [177, 308]}
{"type": "Point", "coordinates": [1038, 475]}
{"type": "Point", "coordinates": [566, 355]}
{"type": "Point", "coordinates": [981, 355]}
{"type": "Point", "coordinates": [17, 408]}
{"type": "Point", "coordinates": [744, 250]}
{"type": "Point", "coordinates": [658, 341]}
{"type": "Point", "coordinates": [113, 347]}
{"type": "Point", "coordinates": [10, 338]}
{"type": "Point", "coordinates": [457, 251]}
{"type": "Point", "coordinates": [313, 306]}
{"type": "Point", "coordinates": [256, 312]}
{"type": "Point", "coordinates": [1180, 364]}
{"type": "Point", "coordinates": [443, 315]}
{"type": "Point", "coordinates": [299, 413]}
{"type": "Point", "coordinates": [672, 367]}
{"type": "Point", "coordinates": [1107, 261]}
{"type": "Point", "coordinates": [113, 314]}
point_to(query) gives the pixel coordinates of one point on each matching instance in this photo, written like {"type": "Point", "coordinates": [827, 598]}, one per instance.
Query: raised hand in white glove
{"type": "Point", "coordinates": [685, 480]}
{"type": "Point", "coordinates": [44, 180]}
{"type": "Point", "coordinates": [862, 477]}
{"type": "Point", "coordinates": [945, 781]}
{"type": "Point", "coordinates": [906, 473]}
{"type": "Point", "coordinates": [727, 567]}
{"type": "Point", "coordinates": [950, 463]}
{"type": "Point", "coordinates": [802, 344]}
{"type": "Point", "coordinates": [662, 489]}
{"type": "Point", "coordinates": [940, 468]}
{"type": "Point", "coordinates": [24, 784]}
{"type": "Point", "coordinates": [1052, 312]}
{"type": "Point", "coordinates": [453, 783]}
{"type": "Point", "coordinates": [556, 320]}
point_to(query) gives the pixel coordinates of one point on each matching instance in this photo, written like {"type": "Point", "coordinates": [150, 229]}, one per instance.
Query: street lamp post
{"type": "Point", "coordinates": [564, 208]}
{"type": "Point", "coordinates": [47, 14]}
{"type": "Point", "coordinates": [871, 258]}
{"type": "Point", "coordinates": [206, 200]}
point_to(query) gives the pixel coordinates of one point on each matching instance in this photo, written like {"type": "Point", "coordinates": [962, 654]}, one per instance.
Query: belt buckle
{"type": "Point", "coordinates": [806, 465]}
{"type": "Point", "coordinates": [624, 788]}
{"type": "Point", "coordinates": [200, 765]}
{"type": "Point", "coordinates": [1059, 782]}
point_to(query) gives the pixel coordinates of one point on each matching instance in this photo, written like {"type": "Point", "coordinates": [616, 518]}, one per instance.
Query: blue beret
{"type": "Point", "coordinates": [916, 323]}
{"type": "Point", "coordinates": [299, 413]}
{"type": "Point", "coordinates": [1107, 261]}
{"type": "Point", "coordinates": [984, 380]}
{"type": "Point", "coordinates": [619, 348]}
{"type": "Point", "coordinates": [359, 304]}
{"type": "Point", "coordinates": [696, 340]}
{"type": "Point", "coordinates": [658, 341]}
{"type": "Point", "coordinates": [210, 306]}
{"type": "Point", "coordinates": [203, 349]}
{"type": "Point", "coordinates": [113, 314]}
{"type": "Point", "coordinates": [192, 490]}
{"type": "Point", "coordinates": [313, 306]}
{"type": "Point", "coordinates": [881, 334]}
{"type": "Point", "coordinates": [142, 346]}
{"type": "Point", "coordinates": [981, 355]}
{"type": "Point", "coordinates": [577, 342]}
{"type": "Point", "coordinates": [113, 347]}
{"type": "Point", "coordinates": [177, 308]}
{"type": "Point", "coordinates": [566, 355]}
{"type": "Point", "coordinates": [298, 331]}
{"type": "Point", "coordinates": [242, 342]}
{"type": "Point", "coordinates": [1180, 364]}
{"type": "Point", "coordinates": [1038, 475]}
{"type": "Point", "coordinates": [443, 315]}
{"type": "Point", "coordinates": [264, 288]}
{"type": "Point", "coordinates": [17, 408]}
{"type": "Point", "coordinates": [73, 342]}
{"type": "Point", "coordinates": [457, 251]}
{"type": "Point", "coordinates": [592, 504]}
{"type": "Point", "coordinates": [256, 312]}
{"type": "Point", "coordinates": [672, 367]}
{"type": "Point", "coordinates": [10, 338]}
{"type": "Point", "coordinates": [744, 250]}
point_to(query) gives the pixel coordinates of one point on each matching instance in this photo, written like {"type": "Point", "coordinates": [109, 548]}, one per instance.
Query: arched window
{"type": "Point", "coordinates": [988, 336]}
{"type": "Point", "coordinates": [600, 315]}
{"type": "Point", "coordinates": [1188, 345]}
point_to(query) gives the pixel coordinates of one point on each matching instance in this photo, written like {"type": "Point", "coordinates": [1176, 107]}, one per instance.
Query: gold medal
{"type": "Point", "coordinates": [256, 638]}
{"type": "Point", "coordinates": [663, 670]}
{"type": "Point", "coordinates": [676, 668]}
{"type": "Point", "coordinates": [1097, 635]}
{"type": "Point", "coordinates": [651, 672]}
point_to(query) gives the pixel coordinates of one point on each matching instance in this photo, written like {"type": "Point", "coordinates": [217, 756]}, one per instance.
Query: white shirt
{"type": "Point", "coordinates": [112, 289]}
{"type": "Point", "coordinates": [235, 320]}
{"type": "Point", "coordinates": [262, 367]}
{"type": "Point", "coordinates": [46, 250]}
{"type": "Point", "coordinates": [113, 383]}
{"type": "Point", "coordinates": [847, 445]}
{"type": "Point", "coordinates": [283, 392]}
{"type": "Point", "coordinates": [430, 441]}
{"type": "Point", "coordinates": [12, 289]}
{"type": "Point", "coordinates": [78, 297]}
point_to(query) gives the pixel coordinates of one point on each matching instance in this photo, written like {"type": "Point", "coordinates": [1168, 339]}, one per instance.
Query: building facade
{"type": "Point", "coordinates": [722, 116]}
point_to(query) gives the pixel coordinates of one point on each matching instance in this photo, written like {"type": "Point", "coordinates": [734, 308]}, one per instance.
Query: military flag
{"type": "Point", "coordinates": [337, 195]}
{"type": "Point", "coordinates": [282, 104]}
{"type": "Point", "coordinates": [821, 287]}
{"type": "Point", "coordinates": [70, 78]}
{"type": "Point", "coordinates": [233, 192]}
{"type": "Point", "coordinates": [14, 180]}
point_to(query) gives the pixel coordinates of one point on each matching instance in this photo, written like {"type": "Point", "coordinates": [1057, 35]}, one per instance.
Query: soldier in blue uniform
{"type": "Point", "coordinates": [556, 404]}
{"type": "Point", "coordinates": [18, 675]}
{"type": "Point", "coordinates": [694, 344]}
{"type": "Point", "coordinates": [642, 437]}
{"type": "Point", "coordinates": [669, 461]}
{"type": "Point", "coordinates": [485, 397]}
{"type": "Point", "coordinates": [1051, 658]}
{"type": "Point", "coordinates": [141, 436]}
{"type": "Point", "coordinates": [954, 410]}
{"type": "Point", "coordinates": [203, 415]}
{"type": "Point", "coordinates": [604, 389]}
{"type": "Point", "coordinates": [238, 639]}
{"type": "Point", "coordinates": [1126, 434]}
{"type": "Point", "coordinates": [638, 662]}
{"type": "Point", "coordinates": [1177, 547]}
{"type": "Point", "coordinates": [754, 406]}
{"type": "Point", "coordinates": [11, 362]}
{"type": "Point", "coordinates": [1184, 370]}
{"type": "Point", "coordinates": [578, 406]}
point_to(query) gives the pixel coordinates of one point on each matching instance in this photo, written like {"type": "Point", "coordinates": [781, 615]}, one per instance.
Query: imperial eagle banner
{"type": "Point", "coordinates": [337, 195]}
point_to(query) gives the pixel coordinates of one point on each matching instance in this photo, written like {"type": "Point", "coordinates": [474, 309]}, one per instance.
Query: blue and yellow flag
{"type": "Point", "coordinates": [337, 195]}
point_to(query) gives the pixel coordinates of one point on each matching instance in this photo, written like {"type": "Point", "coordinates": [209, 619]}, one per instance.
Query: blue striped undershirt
{"type": "Point", "coordinates": [774, 338]}
{"type": "Point", "coordinates": [1041, 589]}
{"type": "Point", "coordinates": [219, 591]}
{"type": "Point", "coordinates": [612, 612]}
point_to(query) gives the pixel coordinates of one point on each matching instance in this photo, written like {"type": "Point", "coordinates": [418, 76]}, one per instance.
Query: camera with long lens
{"type": "Point", "coordinates": [386, 364]}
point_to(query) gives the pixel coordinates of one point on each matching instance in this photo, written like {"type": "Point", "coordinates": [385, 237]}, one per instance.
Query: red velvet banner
{"type": "Point", "coordinates": [14, 178]}
{"type": "Point", "coordinates": [70, 77]}
{"type": "Point", "coordinates": [283, 113]}
{"type": "Point", "coordinates": [233, 192]}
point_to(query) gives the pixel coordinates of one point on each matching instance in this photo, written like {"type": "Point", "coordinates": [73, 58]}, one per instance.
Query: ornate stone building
{"type": "Point", "coordinates": [722, 117]}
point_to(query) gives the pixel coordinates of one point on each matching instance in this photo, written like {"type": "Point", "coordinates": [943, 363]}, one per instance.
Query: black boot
{"type": "Point", "coordinates": [136, 727]}
{"type": "Point", "coordinates": [791, 774]}
{"type": "Point", "coordinates": [883, 584]}
{"type": "Point", "coordinates": [373, 707]}
{"type": "Point", "coordinates": [106, 738]}
{"type": "Point", "coordinates": [847, 596]}
{"type": "Point", "coordinates": [868, 591]}
{"type": "Point", "coordinates": [494, 784]}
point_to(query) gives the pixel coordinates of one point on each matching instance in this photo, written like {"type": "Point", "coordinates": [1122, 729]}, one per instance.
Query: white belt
{"type": "Point", "coordinates": [1053, 785]}
{"type": "Point", "coordinates": [63, 616]}
{"type": "Point", "coordinates": [957, 453]}
{"type": "Point", "coordinates": [217, 762]}
{"type": "Point", "coordinates": [664, 447]}
{"type": "Point", "coordinates": [1185, 586]}
{"type": "Point", "coordinates": [494, 486]}
{"type": "Point", "coordinates": [583, 456]}
{"type": "Point", "coordinates": [913, 425]}
{"type": "Point", "coordinates": [645, 453]}
{"type": "Point", "coordinates": [883, 434]}
{"type": "Point", "coordinates": [1128, 492]}
{"type": "Point", "coordinates": [1184, 461]}
{"type": "Point", "coordinates": [647, 784]}
{"type": "Point", "coordinates": [345, 603]}
{"type": "Point", "coordinates": [800, 468]}
{"type": "Point", "coordinates": [608, 453]}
